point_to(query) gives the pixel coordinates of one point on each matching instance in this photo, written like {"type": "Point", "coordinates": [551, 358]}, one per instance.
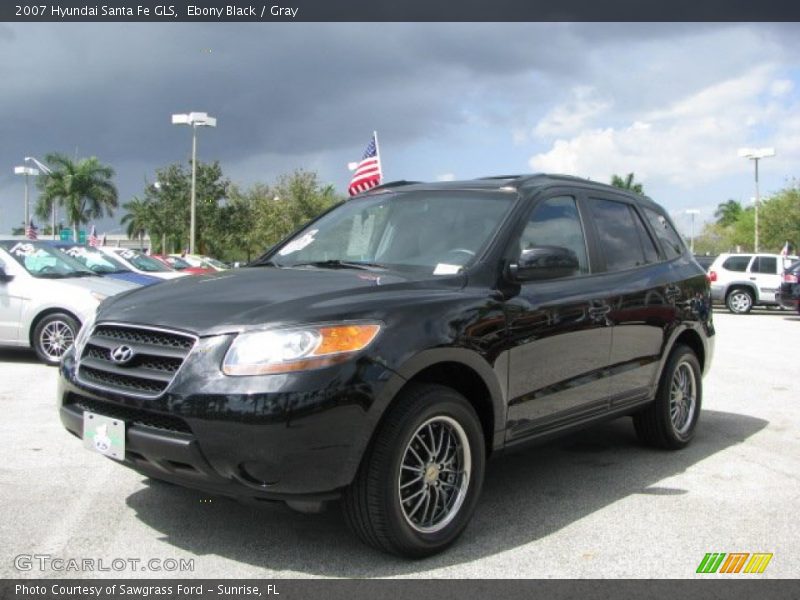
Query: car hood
{"type": "Point", "coordinates": [232, 300]}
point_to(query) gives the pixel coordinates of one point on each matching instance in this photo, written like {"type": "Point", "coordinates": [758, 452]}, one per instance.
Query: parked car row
{"type": "Point", "coordinates": [48, 288]}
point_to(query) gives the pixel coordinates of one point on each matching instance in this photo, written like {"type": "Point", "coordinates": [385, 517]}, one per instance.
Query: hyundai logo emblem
{"type": "Point", "coordinates": [122, 354]}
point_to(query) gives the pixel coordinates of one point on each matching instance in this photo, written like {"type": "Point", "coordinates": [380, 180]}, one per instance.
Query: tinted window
{"type": "Point", "coordinates": [619, 236]}
{"type": "Point", "coordinates": [650, 252]}
{"type": "Point", "coordinates": [438, 232]}
{"type": "Point", "coordinates": [670, 240]}
{"type": "Point", "coordinates": [556, 222]}
{"type": "Point", "coordinates": [737, 263]}
{"type": "Point", "coordinates": [765, 264]}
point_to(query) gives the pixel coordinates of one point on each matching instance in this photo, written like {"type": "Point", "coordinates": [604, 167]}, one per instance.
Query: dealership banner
{"type": "Point", "coordinates": [406, 10]}
{"type": "Point", "coordinates": [375, 589]}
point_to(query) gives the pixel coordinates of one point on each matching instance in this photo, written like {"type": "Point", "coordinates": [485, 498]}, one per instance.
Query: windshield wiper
{"type": "Point", "coordinates": [81, 274]}
{"type": "Point", "coordinates": [339, 264]}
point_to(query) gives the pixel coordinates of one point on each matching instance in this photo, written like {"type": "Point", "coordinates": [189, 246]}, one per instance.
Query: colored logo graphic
{"type": "Point", "coordinates": [734, 562]}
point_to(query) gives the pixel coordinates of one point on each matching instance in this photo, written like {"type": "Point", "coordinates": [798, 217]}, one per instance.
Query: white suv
{"type": "Point", "coordinates": [742, 281]}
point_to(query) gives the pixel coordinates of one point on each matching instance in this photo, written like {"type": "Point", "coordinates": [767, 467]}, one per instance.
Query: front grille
{"type": "Point", "coordinates": [129, 414]}
{"type": "Point", "coordinates": [156, 357]}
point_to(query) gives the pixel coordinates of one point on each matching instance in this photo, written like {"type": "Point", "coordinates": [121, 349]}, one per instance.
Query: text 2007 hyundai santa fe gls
{"type": "Point", "coordinates": [386, 350]}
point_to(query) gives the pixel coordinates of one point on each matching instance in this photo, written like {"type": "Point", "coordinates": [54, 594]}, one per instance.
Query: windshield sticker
{"type": "Point", "coordinates": [77, 251]}
{"type": "Point", "coordinates": [446, 269]}
{"type": "Point", "coordinates": [23, 249]}
{"type": "Point", "coordinates": [298, 244]}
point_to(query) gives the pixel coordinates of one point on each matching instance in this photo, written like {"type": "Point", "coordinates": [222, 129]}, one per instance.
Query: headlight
{"type": "Point", "coordinates": [296, 349]}
{"type": "Point", "coordinates": [83, 334]}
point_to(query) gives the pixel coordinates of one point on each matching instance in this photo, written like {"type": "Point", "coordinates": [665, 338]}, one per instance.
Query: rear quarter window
{"type": "Point", "coordinates": [670, 240]}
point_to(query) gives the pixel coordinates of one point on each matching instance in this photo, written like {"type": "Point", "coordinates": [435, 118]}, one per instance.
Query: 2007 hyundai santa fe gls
{"type": "Point", "coordinates": [382, 353]}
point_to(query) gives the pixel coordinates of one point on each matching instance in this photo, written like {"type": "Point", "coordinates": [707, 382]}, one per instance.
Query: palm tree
{"type": "Point", "coordinates": [82, 187]}
{"type": "Point", "coordinates": [627, 183]}
{"type": "Point", "coordinates": [728, 213]}
{"type": "Point", "coordinates": [137, 218]}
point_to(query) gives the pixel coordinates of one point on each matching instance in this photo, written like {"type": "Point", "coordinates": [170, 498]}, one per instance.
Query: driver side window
{"type": "Point", "coordinates": [556, 222]}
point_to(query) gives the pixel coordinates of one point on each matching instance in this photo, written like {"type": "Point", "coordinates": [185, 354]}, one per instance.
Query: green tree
{"type": "Point", "coordinates": [295, 199]}
{"type": "Point", "coordinates": [83, 188]}
{"type": "Point", "coordinates": [138, 217]}
{"type": "Point", "coordinates": [627, 183]}
{"type": "Point", "coordinates": [728, 213]}
{"type": "Point", "coordinates": [779, 220]}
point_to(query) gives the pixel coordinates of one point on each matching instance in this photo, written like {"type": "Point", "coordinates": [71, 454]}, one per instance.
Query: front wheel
{"type": "Point", "coordinates": [53, 336]}
{"type": "Point", "coordinates": [670, 421]}
{"type": "Point", "coordinates": [419, 482]}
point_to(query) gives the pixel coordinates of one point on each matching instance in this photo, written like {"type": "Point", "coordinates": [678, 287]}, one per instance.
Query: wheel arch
{"type": "Point", "coordinates": [468, 374]}
{"type": "Point", "coordinates": [47, 312]}
{"type": "Point", "coordinates": [747, 285]}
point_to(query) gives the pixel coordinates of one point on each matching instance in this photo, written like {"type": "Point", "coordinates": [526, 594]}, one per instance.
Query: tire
{"type": "Point", "coordinates": [53, 336]}
{"type": "Point", "coordinates": [739, 301]}
{"type": "Point", "coordinates": [398, 462]}
{"type": "Point", "coordinates": [671, 420]}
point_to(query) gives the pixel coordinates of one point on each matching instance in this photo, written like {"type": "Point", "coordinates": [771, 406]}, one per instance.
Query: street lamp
{"type": "Point", "coordinates": [692, 212]}
{"type": "Point", "coordinates": [195, 120]}
{"type": "Point", "coordinates": [47, 171]}
{"type": "Point", "coordinates": [755, 154]}
{"type": "Point", "coordinates": [26, 171]}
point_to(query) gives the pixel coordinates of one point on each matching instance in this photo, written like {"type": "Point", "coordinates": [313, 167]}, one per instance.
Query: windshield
{"type": "Point", "coordinates": [177, 263]}
{"type": "Point", "coordinates": [216, 264]}
{"type": "Point", "coordinates": [438, 232]}
{"type": "Point", "coordinates": [143, 262]}
{"type": "Point", "coordinates": [44, 261]}
{"type": "Point", "coordinates": [97, 261]}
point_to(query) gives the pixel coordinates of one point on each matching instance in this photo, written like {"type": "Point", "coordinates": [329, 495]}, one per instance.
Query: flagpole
{"type": "Point", "coordinates": [378, 154]}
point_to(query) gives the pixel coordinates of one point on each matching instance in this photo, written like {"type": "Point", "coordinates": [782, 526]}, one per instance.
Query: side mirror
{"type": "Point", "coordinates": [5, 277]}
{"type": "Point", "coordinates": [543, 262]}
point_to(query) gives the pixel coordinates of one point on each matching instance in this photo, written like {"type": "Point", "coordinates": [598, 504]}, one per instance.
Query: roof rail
{"type": "Point", "coordinates": [392, 184]}
{"type": "Point", "coordinates": [500, 177]}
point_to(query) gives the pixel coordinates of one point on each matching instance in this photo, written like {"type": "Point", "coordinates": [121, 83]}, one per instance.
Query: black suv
{"type": "Point", "coordinates": [383, 352]}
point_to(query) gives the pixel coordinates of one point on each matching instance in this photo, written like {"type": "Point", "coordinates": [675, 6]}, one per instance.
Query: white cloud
{"type": "Point", "coordinates": [583, 105]}
{"type": "Point", "coordinates": [691, 141]}
{"type": "Point", "coordinates": [446, 177]}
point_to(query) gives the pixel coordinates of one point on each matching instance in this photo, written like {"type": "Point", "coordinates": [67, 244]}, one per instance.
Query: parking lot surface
{"type": "Point", "coordinates": [596, 504]}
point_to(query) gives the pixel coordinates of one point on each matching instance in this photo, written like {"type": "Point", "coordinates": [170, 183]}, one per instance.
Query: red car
{"type": "Point", "coordinates": [181, 265]}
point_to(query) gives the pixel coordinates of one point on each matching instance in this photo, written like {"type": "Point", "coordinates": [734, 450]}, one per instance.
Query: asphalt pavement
{"type": "Point", "coordinates": [596, 504]}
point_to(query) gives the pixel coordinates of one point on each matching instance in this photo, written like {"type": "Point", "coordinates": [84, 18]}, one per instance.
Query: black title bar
{"type": "Point", "coordinates": [399, 10]}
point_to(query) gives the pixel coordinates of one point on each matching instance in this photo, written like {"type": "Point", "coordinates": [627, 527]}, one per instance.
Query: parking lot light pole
{"type": "Point", "coordinates": [47, 171]}
{"type": "Point", "coordinates": [195, 120]}
{"type": "Point", "coordinates": [27, 171]}
{"type": "Point", "coordinates": [755, 154]}
{"type": "Point", "coordinates": [692, 212]}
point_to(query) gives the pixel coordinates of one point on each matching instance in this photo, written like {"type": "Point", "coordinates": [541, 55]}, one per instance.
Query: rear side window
{"type": "Point", "coordinates": [765, 264]}
{"type": "Point", "coordinates": [737, 264]}
{"type": "Point", "coordinates": [620, 233]}
{"type": "Point", "coordinates": [670, 239]}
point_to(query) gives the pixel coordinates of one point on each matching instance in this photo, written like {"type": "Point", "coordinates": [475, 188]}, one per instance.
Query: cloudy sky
{"type": "Point", "coordinates": [670, 102]}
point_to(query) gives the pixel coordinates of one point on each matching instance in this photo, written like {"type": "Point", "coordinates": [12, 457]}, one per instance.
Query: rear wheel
{"type": "Point", "coordinates": [420, 480]}
{"type": "Point", "coordinates": [670, 421]}
{"type": "Point", "coordinates": [739, 301]}
{"type": "Point", "coordinates": [53, 336]}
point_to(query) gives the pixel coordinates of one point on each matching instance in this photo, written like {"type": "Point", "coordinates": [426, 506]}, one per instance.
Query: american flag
{"type": "Point", "coordinates": [787, 248]}
{"type": "Point", "coordinates": [367, 172]}
{"type": "Point", "coordinates": [93, 239]}
{"type": "Point", "coordinates": [31, 232]}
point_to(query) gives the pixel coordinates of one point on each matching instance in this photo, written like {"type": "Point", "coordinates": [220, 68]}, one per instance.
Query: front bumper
{"type": "Point", "coordinates": [301, 440]}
